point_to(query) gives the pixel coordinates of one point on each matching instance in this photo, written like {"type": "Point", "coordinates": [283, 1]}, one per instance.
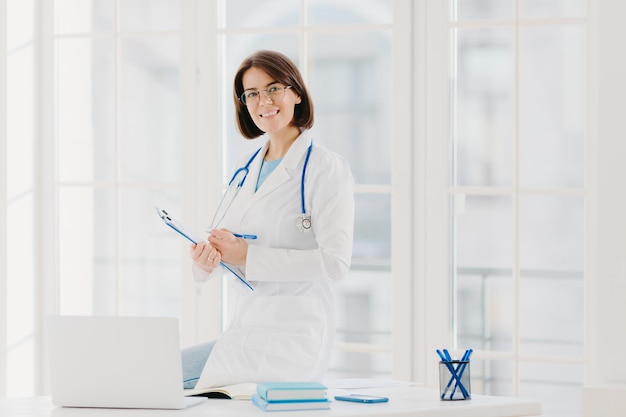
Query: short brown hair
{"type": "Point", "coordinates": [284, 71]}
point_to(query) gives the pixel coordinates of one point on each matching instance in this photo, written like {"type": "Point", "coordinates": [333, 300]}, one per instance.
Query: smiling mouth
{"type": "Point", "coordinates": [270, 113]}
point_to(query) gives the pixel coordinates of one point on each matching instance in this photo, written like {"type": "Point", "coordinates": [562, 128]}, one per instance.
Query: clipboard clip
{"type": "Point", "coordinates": [175, 225]}
{"type": "Point", "coordinates": [163, 214]}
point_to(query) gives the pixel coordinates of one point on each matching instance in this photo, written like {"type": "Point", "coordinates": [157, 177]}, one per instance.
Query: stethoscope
{"type": "Point", "coordinates": [304, 221]}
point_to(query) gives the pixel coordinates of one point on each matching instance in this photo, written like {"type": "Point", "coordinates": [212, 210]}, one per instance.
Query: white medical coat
{"type": "Point", "coordinates": [284, 329]}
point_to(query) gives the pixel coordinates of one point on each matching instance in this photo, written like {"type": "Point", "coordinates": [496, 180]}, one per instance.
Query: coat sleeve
{"type": "Point", "coordinates": [332, 215]}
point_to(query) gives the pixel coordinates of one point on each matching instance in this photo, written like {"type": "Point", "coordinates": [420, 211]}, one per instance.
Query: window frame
{"type": "Point", "coordinates": [447, 189]}
{"type": "Point", "coordinates": [3, 208]}
{"type": "Point", "coordinates": [429, 321]}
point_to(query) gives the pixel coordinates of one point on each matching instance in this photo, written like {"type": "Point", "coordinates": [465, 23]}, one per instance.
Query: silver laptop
{"type": "Point", "coordinates": [116, 362]}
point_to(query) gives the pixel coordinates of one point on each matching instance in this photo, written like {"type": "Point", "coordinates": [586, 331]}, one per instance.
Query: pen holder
{"type": "Point", "coordinates": [454, 380]}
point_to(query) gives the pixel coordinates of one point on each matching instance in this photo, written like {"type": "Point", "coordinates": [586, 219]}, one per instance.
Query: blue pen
{"type": "Point", "coordinates": [465, 358]}
{"type": "Point", "coordinates": [239, 235]}
{"type": "Point", "coordinates": [446, 358]}
{"type": "Point", "coordinates": [245, 236]}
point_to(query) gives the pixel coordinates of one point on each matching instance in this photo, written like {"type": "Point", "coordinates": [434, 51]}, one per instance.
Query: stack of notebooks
{"type": "Point", "coordinates": [281, 396]}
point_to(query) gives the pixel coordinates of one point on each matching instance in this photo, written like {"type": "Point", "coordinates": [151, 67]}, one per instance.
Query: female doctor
{"type": "Point", "coordinates": [297, 199]}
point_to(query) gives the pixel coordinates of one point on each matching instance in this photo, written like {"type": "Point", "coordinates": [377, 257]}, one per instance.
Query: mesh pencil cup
{"type": "Point", "coordinates": [454, 380]}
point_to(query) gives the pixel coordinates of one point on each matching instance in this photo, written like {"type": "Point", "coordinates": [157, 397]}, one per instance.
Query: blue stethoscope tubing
{"type": "Point", "coordinates": [245, 169]}
{"type": "Point", "coordinates": [305, 221]}
{"type": "Point", "coordinates": [304, 224]}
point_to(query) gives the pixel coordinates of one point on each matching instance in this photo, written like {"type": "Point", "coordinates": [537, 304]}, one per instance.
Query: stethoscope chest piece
{"type": "Point", "coordinates": [304, 223]}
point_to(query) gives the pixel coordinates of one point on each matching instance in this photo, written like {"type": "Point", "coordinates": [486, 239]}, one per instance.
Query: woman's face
{"type": "Point", "coordinates": [271, 116]}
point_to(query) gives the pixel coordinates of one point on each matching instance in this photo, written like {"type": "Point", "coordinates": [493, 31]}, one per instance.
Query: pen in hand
{"type": "Point", "coordinates": [239, 235]}
{"type": "Point", "coordinates": [245, 236]}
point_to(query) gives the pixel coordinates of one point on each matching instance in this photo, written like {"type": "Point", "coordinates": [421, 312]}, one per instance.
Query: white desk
{"type": "Point", "coordinates": [403, 402]}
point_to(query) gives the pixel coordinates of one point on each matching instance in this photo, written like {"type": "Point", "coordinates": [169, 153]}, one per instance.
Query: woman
{"type": "Point", "coordinates": [283, 330]}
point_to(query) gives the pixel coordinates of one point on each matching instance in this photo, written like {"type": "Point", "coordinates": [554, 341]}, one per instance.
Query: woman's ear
{"type": "Point", "coordinates": [299, 100]}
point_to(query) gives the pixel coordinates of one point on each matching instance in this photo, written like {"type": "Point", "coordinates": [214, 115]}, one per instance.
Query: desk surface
{"type": "Point", "coordinates": [403, 402]}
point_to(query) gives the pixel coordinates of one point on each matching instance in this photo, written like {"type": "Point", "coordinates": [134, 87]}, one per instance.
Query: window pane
{"type": "Point", "coordinates": [346, 12]}
{"type": "Point", "coordinates": [351, 86]}
{"type": "Point", "coordinates": [151, 255]}
{"type": "Point", "coordinates": [557, 386]}
{"type": "Point", "coordinates": [485, 309]}
{"type": "Point", "coordinates": [484, 272]}
{"type": "Point", "coordinates": [257, 14]}
{"type": "Point", "coordinates": [83, 16]}
{"type": "Point", "coordinates": [484, 231]}
{"type": "Point", "coordinates": [552, 106]}
{"type": "Point", "coordinates": [551, 255]}
{"type": "Point", "coordinates": [483, 9]}
{"type": "Point", "coordinates": [104, 253]}
{"type": "Point", "coordinates": [149, 15]}
{"type": "Point", "coordinates": [484, 106]}
{"type": "Point", "coordinates": [364, 308]}
{"type": "Point", "coordinates": [345, 364]}
{"type": "Point", "coordinates": [551, 318]}
{"type": "Point", "coordinates": [552, 233]}
{"type": "Point", "coordinates": [363, 316]}
{"type": "Point", "coordinates": [84, 254]}
{"type": "Point", "coordinates": [534, 9]}
{"type": "Point", "coordinates": [372, 240]}
{"type": "Point", "coordinates": [150, 110]}
{"type": "Point", "coordinates": [492, 377]}
{"type": "Point", "coordinates": [85, 94]}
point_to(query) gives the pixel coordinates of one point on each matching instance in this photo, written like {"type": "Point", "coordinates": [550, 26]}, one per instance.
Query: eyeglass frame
{"type": "Point", "coordinates": [242, 95]}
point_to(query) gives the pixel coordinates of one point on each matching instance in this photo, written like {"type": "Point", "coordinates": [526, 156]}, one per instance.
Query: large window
{"type": "Point", "coordinates": [117, 139]}
{"type": "Point", "coordinates": [517, 196]}
{"type": "Point", "coordinates": [93, 144]}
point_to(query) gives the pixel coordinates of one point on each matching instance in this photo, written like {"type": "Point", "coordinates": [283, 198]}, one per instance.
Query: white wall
{"type": "Point", "coordinates": [605, 370]}
{"type": "Point", "coordinates": [3, 197]}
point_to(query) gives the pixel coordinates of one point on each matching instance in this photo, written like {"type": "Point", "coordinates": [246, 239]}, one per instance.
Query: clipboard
{"type": "Point", "coordinates": [180, 229]}
{"type": "Point", "coordinates": [176, 226]}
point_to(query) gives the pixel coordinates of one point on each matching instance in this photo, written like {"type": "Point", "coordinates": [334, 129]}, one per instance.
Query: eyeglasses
{"type": "Point", "coordinates": [274, 92]}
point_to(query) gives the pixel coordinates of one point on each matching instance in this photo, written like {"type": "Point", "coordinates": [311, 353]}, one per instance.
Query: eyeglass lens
{"type": "Point", "coordinates": [273, 92]}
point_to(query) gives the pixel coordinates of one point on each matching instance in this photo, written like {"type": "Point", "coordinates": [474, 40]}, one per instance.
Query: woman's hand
{"type": "Point", "coordinates": [206, 256]}
{"type": "Point", "coordinates": [234, 250]}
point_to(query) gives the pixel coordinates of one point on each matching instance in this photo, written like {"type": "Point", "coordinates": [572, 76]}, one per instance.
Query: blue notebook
{"type": "Point", "coordinates": [289, 405]}
{"type": "Point", "coordinates": [291, 391]}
